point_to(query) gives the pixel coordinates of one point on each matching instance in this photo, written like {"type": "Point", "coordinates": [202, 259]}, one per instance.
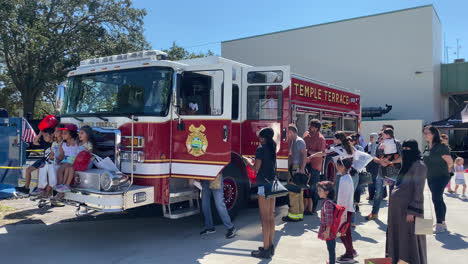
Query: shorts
{"type": "Point", "coordinates": [38, 163]}
{"type": "Point", "coordinates": [261, 191]}
{"type": "Point", "coordinates": [459, 181]}
{"type": "Point", "coordinates": [69, 160]}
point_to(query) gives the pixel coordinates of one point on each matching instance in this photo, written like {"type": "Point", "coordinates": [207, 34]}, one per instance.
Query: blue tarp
{"type": "Point", "coordinates": [6, 191]}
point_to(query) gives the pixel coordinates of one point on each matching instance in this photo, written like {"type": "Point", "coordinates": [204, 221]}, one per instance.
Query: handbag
{"type": "Point", "coordinates": [274, 189]}
{"type": "Point", "coordinates": [105, 164]}
{"type": "Point", "coordinates": [82, 161]}
{"type": "Point", "coordinates": [365, 178]}
{"type": "Point", "coordinates": [423, 226]}
{"type": "Point", "coordinates": [378, 261]}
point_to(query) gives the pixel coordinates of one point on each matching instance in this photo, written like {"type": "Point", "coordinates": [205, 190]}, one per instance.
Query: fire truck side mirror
{"type": "Point", "coordinates": [59, 96]}
{"type": "Point", "coordinates": [177, 100]}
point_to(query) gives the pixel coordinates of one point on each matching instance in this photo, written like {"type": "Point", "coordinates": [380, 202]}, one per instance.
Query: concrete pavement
{"type": "Point", "coordinates": [32, 235]}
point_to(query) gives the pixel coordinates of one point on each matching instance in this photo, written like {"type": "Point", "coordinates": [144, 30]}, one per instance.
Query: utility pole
{"type": "Point", "coordinates": [458, 49]}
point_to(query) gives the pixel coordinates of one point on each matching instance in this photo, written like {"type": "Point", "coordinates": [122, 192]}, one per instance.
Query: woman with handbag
{"type": "Point", "coordinates": [265, 165]}
{"type": "Point", "coordinates": [406, 203]}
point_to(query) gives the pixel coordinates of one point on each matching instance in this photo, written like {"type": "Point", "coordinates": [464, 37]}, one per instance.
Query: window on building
{"type": "Point", "coordinates": [264, 102]}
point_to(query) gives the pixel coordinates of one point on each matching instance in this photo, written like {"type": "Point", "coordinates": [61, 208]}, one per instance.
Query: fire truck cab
{"type": "Point", "coordinates": [167, 124]}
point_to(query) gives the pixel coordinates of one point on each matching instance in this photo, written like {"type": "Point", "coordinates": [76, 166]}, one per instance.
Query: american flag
{"type": "Point", "coordinates": [28, 132]}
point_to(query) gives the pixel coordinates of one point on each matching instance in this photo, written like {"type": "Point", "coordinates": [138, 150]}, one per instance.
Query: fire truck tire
{"type": "Point", "coordinates": [329, 169]}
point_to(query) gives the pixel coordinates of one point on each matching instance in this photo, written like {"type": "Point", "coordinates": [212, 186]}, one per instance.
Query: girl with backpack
{"type": "Point", "coordinates": [326, 192]}
{"type": "Point", "coordinates": [345, 198]}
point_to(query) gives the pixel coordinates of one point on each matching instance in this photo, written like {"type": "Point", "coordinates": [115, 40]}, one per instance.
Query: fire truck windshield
{"type": "Point", "coordinates": [144, 91]}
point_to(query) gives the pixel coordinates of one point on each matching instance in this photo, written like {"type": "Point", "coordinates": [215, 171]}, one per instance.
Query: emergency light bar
{"type": "Point", "coordinates": [133, 56]}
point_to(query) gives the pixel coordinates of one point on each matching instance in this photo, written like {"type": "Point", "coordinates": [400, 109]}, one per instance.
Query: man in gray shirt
{"type": "Point", "coordinates": [297, 163]}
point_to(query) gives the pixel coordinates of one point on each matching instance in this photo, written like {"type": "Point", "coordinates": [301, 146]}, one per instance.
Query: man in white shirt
{"type": "Point", "coordinates": [346, 198]}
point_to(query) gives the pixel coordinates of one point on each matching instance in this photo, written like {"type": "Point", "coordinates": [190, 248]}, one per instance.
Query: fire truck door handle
{"type": "Point", "coordinates": [225, 133]}
{"type": "Point", "coordinates": [283, 134]}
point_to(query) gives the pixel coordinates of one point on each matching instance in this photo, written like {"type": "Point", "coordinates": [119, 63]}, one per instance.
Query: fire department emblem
{"type": "Point", "coordinates": [196, 141]}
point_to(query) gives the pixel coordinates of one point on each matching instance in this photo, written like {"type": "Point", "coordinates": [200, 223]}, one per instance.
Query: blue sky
{"type": "Point", "coordinates": [201, 25]}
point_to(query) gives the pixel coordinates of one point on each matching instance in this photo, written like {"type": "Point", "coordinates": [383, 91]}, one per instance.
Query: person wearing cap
{"type": "Point", "coordinates": [315, 143]}
{"type": "Point", "coordinates": [68, 152]}
{"type": "Point", "coordinates": [265, 161]}
{"type": "Point", "coordinates": [44, 139]}
{"type": "Point", "coordinates": [297, 162]}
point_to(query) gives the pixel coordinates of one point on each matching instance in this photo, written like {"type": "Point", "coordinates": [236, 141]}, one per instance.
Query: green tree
{"type": "Point", "coordinates": [41, 40]}
{"type": "Point", "coordinates": [176, 53]}
{"type": "Point", "coordinates": [10, 98]}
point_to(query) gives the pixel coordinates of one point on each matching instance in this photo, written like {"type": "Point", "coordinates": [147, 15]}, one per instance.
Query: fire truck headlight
{"type": "Point", "coordinates": [106, 180]}
{"type": "Point", "coordinates": [138, 156]}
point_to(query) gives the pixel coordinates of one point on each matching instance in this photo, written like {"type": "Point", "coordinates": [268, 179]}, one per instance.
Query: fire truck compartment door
{"type": "Point", "coordinates": [201, 125]}
{"type": "Point", "coordinates": [263, 94]}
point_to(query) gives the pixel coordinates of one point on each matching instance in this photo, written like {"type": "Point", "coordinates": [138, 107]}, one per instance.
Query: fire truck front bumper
{"type": "Point", "coordinates": [135, 196]}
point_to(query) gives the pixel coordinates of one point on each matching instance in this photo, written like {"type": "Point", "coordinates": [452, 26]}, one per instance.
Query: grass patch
{"type": "Point", "coordinates": [4, 208]}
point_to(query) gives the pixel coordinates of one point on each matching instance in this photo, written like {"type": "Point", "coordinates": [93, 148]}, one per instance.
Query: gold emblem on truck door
{"type": "Point", "coordinates": [196, 141]}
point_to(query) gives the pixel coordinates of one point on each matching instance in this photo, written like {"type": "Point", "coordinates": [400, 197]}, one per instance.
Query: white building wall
{"type": "Point", "coordinates": [404, 129]}
{"type": "Point", "coordinates": [378, 55]}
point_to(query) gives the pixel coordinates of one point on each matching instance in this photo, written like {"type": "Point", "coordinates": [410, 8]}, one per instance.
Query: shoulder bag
{"type": "Point", "coordinates": [423, 226]}
{"type": "Point", "coordinates": [274, 188]}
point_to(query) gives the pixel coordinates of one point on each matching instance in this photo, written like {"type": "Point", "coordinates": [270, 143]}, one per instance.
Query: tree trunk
{"type": "Point", "coordinates": [29, 103]}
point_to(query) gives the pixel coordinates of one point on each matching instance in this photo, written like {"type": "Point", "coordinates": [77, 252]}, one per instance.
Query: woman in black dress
{"type": "Point", "coordinates": [407, 202]}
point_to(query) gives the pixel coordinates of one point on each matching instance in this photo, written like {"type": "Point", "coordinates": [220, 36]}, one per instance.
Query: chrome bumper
{"type": "Point", "coordinates": [135, 196]}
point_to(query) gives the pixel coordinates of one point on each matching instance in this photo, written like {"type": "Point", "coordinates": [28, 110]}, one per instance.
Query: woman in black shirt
{"type": "Point", "coordinates": [265, 160]}
{"type": "Point", "coordinates": [439, 164]}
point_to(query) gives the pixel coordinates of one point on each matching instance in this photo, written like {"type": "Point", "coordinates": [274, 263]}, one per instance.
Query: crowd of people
{"type": "Point", "coordinates": [398, 166]}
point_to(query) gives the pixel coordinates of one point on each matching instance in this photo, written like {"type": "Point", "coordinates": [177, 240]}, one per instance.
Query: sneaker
{"type": "Point", "coordinates": [55, 203]}
{"type": "Point", "coordinates": [62, 188]}
{"type": "Point", "coordinates": [264, 254]}
{"type": "Point", "coordinates": [308, 213]}
{"type": "Point", "coordinates": [372, 217]}
{"type": "Point", "coordinates": [208, 231]}
{"type": "Point", "coordinates": [36, 192]}
{"type": "Point", "coordinates": [440, 228]}
{"type": "Point", "coordinates": [345, 259]}
{"type": "Point", "coordinates": [22, 190]}
{"type": "Point", "coordinates": [231, 232]}
{"type": "Point", "coordinates": [272, 249]}
{"type": "Point", "coordinates": [445, 226]}
{"type": "Point", "coordinates": [355, 254]}
{"type": "Point", "coordinates": [463, 196]}
{"type": "Point", "coordinates": [59, 196]}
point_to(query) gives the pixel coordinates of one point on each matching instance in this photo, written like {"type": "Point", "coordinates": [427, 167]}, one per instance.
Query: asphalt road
{"type": "Point", "coordinates": [32, 235]}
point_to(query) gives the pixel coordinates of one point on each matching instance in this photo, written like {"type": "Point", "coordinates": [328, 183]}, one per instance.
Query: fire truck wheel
{"type": "Point", "coordinates": [329, 169]}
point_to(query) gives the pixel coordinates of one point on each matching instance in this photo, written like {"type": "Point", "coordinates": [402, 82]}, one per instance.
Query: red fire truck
{"type": "Point", "coordinates": [166, 124]}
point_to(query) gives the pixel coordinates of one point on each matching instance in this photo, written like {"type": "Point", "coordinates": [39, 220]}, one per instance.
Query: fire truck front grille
{"type": "Point", "coordinates": [108, 144]}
